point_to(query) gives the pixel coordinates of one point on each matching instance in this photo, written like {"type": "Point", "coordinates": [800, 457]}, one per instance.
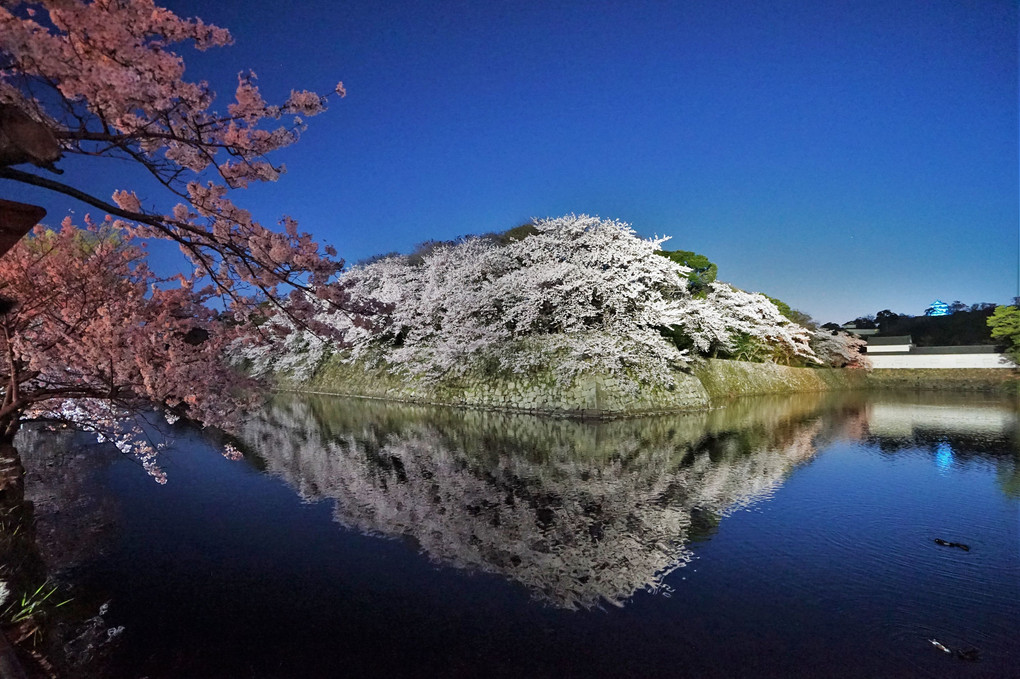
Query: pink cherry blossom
{"type": "Point", "coordinates": [105, 78]}
{"type": "Point", "coordinates": [90, 336]}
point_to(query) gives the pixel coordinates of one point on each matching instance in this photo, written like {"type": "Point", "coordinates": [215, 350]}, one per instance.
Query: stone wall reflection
{"type": "Point", "coordinates": [579, 513]}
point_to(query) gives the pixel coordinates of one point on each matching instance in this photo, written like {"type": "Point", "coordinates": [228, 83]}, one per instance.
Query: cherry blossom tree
{"type": "Point", "coordinates": [90, 336]}
{"type": "Point", "coordinates": [577, 294]}
{"type": "Point", "coordinates": [728, 319]}
{"type": "Point", "coordinates": [101, 79]}
{"type": "Point", "coordinates": [839, 349]}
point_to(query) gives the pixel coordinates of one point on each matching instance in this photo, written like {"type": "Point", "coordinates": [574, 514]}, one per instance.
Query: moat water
{"type": "Point", "coordinates": [776, 537]}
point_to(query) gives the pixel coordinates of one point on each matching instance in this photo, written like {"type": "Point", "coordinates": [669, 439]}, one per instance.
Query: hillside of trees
{"type": "Point", "coordinates": [570, 295]}
{"type": "Point", "coordinates": [965, 325]}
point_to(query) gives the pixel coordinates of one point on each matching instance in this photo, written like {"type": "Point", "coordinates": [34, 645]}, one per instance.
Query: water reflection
{"type": "Point", "coordinates": [943, 456]}
{"type": "Point", "coordinates": [223, 572]}
{"type": "Point", "coordinates": [954, 428]}
{"type": "Point", "coordinates": [72, 522]}
{"type": "Point", "coordinates": [55, 525]}
{"type": "Point", "coordinates": [977, 416]}
{"type": "Point", "coordinates": [579, 513]}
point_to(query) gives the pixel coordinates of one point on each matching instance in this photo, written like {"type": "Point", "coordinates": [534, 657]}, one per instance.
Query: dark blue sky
{"type": "Point", "coordinates": [844, 157]}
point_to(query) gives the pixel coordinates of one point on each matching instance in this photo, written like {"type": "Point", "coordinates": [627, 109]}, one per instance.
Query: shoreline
{"type": "Point", "coordinates": [710, 384]}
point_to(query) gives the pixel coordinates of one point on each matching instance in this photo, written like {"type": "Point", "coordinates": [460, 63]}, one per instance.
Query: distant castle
{"type": "Point", "coordinates": [938, 308]}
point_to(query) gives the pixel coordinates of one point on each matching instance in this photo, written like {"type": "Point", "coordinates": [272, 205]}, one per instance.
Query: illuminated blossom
{"type": "Point", "coordinates": [91, 337]}
{"type": "Point", "coordinates": [579, 295]}
{"type": "Point", "coordinates": [104, 78]}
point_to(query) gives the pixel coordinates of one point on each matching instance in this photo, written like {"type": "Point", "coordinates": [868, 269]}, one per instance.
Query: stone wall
{"type": "Point", "coordinates": [588, 396]}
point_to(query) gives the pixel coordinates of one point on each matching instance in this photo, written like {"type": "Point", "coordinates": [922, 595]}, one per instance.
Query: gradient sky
{"type": "Point", "coordinates": [846, 157]}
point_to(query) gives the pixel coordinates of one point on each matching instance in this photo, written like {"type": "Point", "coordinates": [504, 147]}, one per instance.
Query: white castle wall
{"type": "Point", "coordinates": [886, 361]}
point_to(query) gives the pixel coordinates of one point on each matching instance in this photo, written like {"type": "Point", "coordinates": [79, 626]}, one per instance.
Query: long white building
{"type": "Point", "coordinates": [900, 352]}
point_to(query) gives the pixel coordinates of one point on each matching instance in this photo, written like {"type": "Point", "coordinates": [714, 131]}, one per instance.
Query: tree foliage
{"type": "Point", "coordinates": [702, 271]}
{"type": "Point", "coordinates": [579, 294]}
{"type": "Point", "coordinates": [795, 315]}
{"type": "Point", "coordinates": [1005, 325]}
{"type": "Point", "coordinates": [863, 322]}
{"type": "Point", "coordinates": [90, 336]}
{"type": "Point", "coordinates": [102, 79]}
{"type": "Point", "coordinates": [839, 349]}
{"type": "Point", "coordinates": [966, 326]}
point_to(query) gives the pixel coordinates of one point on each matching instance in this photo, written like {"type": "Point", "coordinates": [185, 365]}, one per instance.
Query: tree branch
{"type": "Point", "coordinates": [59, 187]}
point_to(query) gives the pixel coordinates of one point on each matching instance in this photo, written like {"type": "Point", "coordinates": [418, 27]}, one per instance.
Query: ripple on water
{"type": "Point", "coordinates": [860, 550]}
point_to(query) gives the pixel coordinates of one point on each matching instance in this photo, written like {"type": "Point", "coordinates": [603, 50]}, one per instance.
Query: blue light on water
{"type": "Point", "coordinates": [943, 456]}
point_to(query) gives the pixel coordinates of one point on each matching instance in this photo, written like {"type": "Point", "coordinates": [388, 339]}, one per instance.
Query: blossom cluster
{"type": "Point", "coordinates": [840, 349]}
{"type": "Point", "coordinates": [105, 80]}
{"type": "Point", "coordinates": [91, 337]}
{"type": "Point", "coordinates": [743, 325]}
{"type": "Point", "coordinates": [578, 294]}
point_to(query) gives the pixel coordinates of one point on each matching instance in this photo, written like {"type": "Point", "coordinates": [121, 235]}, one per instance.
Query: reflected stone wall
{"type": "Point", "coordinates": [579, 513]}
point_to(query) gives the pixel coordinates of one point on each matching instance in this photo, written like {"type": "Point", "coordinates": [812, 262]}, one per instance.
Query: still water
{"type": "Point", "coordinates": [773, 538]}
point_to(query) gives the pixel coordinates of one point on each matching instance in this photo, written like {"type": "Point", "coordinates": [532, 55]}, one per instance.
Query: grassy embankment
{"type": "Point", "coordinates": [724, 379]}
{"type": "Point", "coordinates": [1001, 380]}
